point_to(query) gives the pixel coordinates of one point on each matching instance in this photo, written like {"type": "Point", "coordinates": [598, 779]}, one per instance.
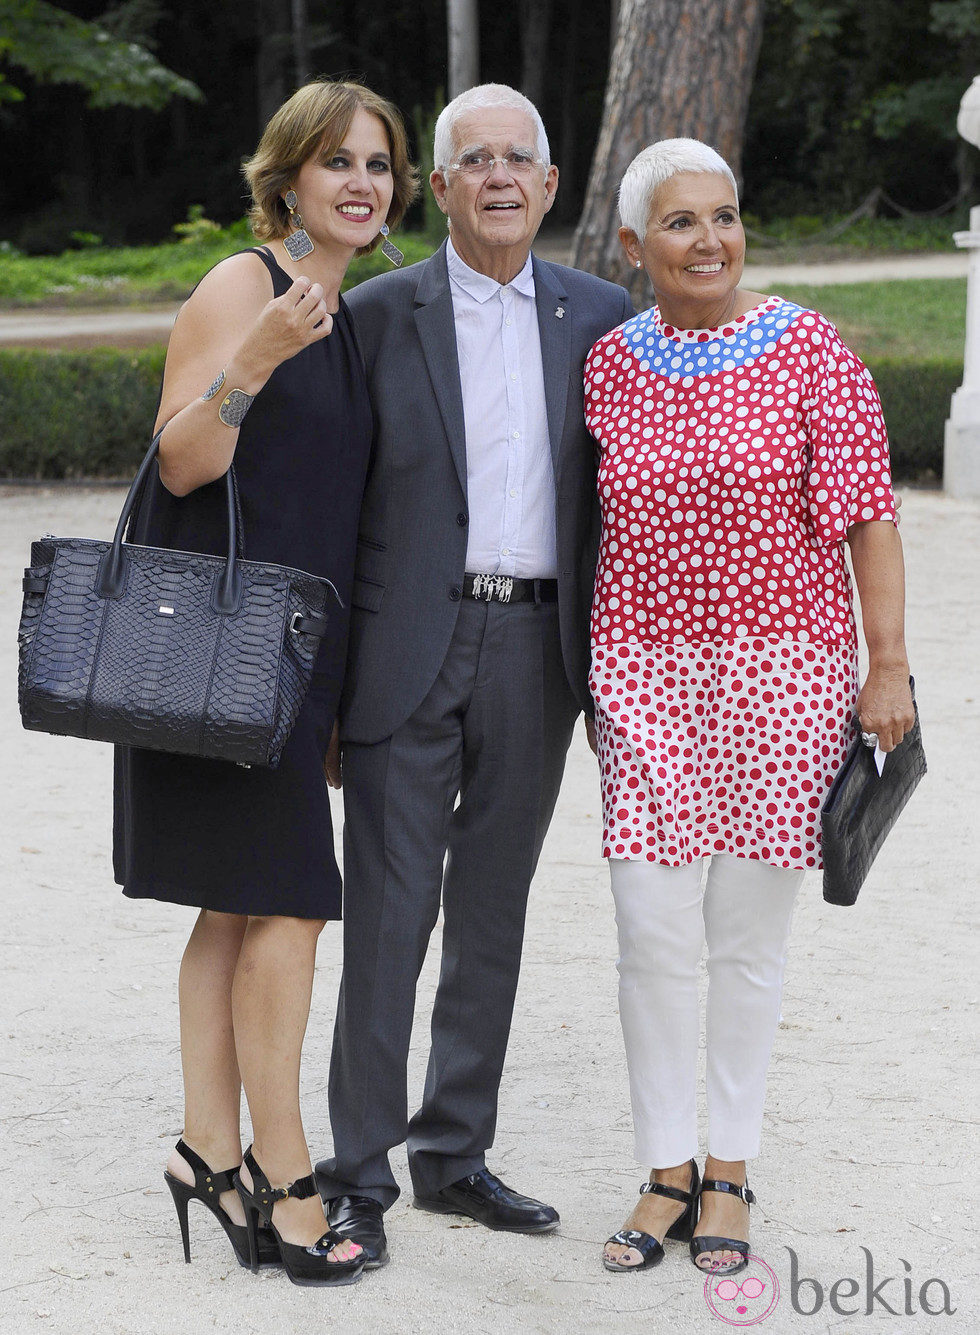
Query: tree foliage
{"type": "Point", "coordinates": [102, 57]}
{"type": "Point", "coordinates": [931, 102]}
{"type": "Point", "coordinates": [849, 95]}
{"type": "Point", "coordinates": [853, 94]}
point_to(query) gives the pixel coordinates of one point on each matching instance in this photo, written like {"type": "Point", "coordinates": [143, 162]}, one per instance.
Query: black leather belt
{"type": "Point", "coordinates": [509, 589]}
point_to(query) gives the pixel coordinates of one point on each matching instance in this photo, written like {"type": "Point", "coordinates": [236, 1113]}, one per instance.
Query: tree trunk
{"type": "Point", "coordinates": [463, 17]}
{"type": "Point", "coordinates": [535, 17]}
{"type": "Point", "coordinates": [678, 68]}
{"type": "Point", "coordinates": [301, 56]}
{"type": "Point", "coordinates": [270, 81]}
{"type": "Point", "coordinates": [565, 205]}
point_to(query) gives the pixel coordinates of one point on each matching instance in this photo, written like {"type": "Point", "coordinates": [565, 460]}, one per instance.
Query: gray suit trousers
{"type": "Point", "coordinates": [493, 731]}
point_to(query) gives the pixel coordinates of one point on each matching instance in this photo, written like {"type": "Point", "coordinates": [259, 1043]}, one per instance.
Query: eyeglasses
{"type": "Point", "coordinates": [480, 162]}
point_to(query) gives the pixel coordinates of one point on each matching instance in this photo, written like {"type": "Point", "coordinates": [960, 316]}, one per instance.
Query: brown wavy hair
{"type": "Point", "coordinates": [315, 119]}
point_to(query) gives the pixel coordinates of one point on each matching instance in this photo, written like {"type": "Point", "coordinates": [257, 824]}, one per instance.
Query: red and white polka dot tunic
{"type": "Point", "coordinates": [724, 663]}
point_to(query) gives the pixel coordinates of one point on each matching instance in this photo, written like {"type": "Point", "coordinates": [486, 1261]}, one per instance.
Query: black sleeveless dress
{"type": "Point", "coordinates": [206, 832]}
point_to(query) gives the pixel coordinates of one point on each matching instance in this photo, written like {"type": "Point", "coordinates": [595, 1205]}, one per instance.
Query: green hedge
{"type": "Point", "coordinates": [88, 414]}
{"type": "Point", "coordinates": [77, 414]}
{"type": "Point", "coordinates": [915, 396]}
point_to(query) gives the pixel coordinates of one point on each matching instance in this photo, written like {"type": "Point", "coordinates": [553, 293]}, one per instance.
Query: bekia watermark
{"type": "Point", "coordinates": [910, 1297]}
{"type": "Point", "coordinates": [751, 1296]}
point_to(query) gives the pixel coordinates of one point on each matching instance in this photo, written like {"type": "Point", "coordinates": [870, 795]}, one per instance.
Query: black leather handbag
{"type": "Point", "coordinates": [173, 651]}
{"type": "Point", "coordinates": [862, 806]}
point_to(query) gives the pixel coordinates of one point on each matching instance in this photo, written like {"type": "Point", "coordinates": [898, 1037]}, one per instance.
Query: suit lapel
{"type": "Point", "coordinates": [556, 344]}
{"type": "Point", "coordinates": [437, 335]}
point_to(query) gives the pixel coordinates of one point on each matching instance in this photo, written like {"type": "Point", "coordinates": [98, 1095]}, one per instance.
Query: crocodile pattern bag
{"type": "Point", "coordinates": [173, 651]}
{"type": "Point", "coordinates": [862, 807]}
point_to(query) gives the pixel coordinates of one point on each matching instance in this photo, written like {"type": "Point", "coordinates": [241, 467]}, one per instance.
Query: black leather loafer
{"type": "Point", "coordinates": [489, 1201]}
{"type": "Point", "coordinates": [362, 1220]}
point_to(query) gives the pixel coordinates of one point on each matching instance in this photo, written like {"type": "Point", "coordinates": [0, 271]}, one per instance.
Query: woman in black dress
{"type": "Point", "coordinates": [263, 371]}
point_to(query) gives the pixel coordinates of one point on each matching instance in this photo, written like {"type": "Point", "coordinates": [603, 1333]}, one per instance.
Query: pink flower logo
{"type": "Point", "coordinates": [744, 1299]}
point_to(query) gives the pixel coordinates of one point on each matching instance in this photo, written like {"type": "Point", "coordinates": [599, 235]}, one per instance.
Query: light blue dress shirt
{"type": "Point", "coordinates": [510, 481]}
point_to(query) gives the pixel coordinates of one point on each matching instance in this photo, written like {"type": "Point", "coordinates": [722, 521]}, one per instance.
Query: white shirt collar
{"type": "Point", "coordinates": [481, 287]}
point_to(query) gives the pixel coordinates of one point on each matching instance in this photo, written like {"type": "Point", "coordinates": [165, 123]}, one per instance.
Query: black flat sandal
{"type": "Point", "coordinates": [646, 1244]}
{"type": "Point", "coordinates": [710, 1244]}
{"type": "Point", "coordinates": [208, 1186]}
{"type": "Point", "coordinates": [304, 1265]}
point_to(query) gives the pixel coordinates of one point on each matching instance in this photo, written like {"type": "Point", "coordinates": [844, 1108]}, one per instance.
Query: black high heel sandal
{"type": "Point", "coordinates": [303, 1265]}
{"type": "Point", "coordinates": [208, 1187]}
{"type": "Point", "coordinates": [646, 1244]}
{"type": "Point", "coordinates": [711, 1244]}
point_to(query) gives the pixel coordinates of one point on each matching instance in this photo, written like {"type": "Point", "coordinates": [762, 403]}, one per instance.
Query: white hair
{"type": "Point", "coordinates": [484, 96]}
{"type": "Point", "coordinates": [657, 164]}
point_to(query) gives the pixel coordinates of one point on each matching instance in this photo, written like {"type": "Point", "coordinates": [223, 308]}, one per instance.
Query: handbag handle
{"type": "Point", "coordinates": [110, 581]}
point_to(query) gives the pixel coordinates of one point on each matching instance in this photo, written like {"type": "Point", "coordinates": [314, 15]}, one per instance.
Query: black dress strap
{"type": "Point", "coordinates": [280, 279]}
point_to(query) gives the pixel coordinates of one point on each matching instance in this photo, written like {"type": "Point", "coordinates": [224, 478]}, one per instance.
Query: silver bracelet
{"type": "Point", "coordinates": [234, 405]}
{"type": "Point", "coordinates": [213, 388]}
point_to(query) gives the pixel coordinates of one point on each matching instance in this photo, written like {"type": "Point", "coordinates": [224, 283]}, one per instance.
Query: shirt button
{"type": "Point", "coordinates": [517, 435]}
{"type": "Point", "coordinates": [508, 320]}
{"type": "Point", "coordinates": [461, 519]}
{"type": "Point", "coordinates": [513, 493]}
{"type": "Point", "coordinates": [505, 551]}
{"type": "Point", "coordinates": [513, 375]}
{"type": "Point", "coordinates": [455, 593]}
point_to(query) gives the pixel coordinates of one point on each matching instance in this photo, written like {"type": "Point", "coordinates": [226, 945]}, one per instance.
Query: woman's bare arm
{"type": "Point", "coordinates": [884, 705]}
{"type": "Point", "coordinates": [230, 324]}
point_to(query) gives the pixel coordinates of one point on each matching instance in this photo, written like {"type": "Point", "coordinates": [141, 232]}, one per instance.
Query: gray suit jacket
{"type": "Point", "coordinates": [412, 539]}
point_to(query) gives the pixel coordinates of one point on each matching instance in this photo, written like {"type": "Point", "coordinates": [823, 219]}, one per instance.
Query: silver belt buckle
{"type": "Point", "coordinates": [493, 587]}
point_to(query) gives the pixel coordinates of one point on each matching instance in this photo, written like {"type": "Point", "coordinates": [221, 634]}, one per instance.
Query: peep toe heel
{"type": "Point", "coordinates": [649, 1247]}
{"type": "Point", "coordinates": [703, 1244]}
{"type": "Point", "coordinates": [304, 1265]}
{"type": "Point", "coordinates": [207, 1188]}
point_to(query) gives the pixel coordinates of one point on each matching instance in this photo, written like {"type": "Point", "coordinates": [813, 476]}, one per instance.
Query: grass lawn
{"type": "Point", "coordinates": [135, 275]}
{"type": "Point", "coordinates": [800, 240]}
{"type": "Point", "coordinates": [906, 317]}
{"type": "Point", "coordinates": [132, 275]}
{"type": "Point", "coordinates": [910, 317]}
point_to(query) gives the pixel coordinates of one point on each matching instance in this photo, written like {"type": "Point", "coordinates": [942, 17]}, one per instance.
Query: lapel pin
{"type": "Point", "coordinates": [560, 312]}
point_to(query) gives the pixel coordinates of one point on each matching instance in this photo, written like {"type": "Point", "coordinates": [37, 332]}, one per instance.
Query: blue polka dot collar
{"type": "Point", "coordinates": [675, 353]}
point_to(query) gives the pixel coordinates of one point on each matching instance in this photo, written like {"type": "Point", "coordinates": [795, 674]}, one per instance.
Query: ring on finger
{"type": "Point", "coordinates": [869, 739]}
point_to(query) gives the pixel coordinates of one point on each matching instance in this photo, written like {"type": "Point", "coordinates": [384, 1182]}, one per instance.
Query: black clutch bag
{"type": "Point", "coordinates": [862, 806]}
{"type": "Point", "coordinates": [173, 651]}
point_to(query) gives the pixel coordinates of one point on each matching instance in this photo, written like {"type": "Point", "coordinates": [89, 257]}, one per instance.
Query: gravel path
{"type": "Point", "coordinates": [873, 1090]}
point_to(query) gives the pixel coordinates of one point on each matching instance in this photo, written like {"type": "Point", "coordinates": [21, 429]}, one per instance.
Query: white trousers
{"type": "Point", "coordinates": [664, 917]}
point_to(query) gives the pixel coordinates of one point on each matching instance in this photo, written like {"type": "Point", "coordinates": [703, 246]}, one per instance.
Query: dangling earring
{"type": "Point", "coordinates": [389, 250]}
{"type": "Point", "coordinates": [298, 243]}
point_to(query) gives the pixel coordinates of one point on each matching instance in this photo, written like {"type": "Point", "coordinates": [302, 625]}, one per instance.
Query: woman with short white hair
{"type": "Point", "coordinates": [742, 443]}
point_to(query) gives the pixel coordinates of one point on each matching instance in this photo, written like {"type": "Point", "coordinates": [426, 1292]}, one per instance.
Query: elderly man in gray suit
{"type": "Point", "coordinates": [468, 662]}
